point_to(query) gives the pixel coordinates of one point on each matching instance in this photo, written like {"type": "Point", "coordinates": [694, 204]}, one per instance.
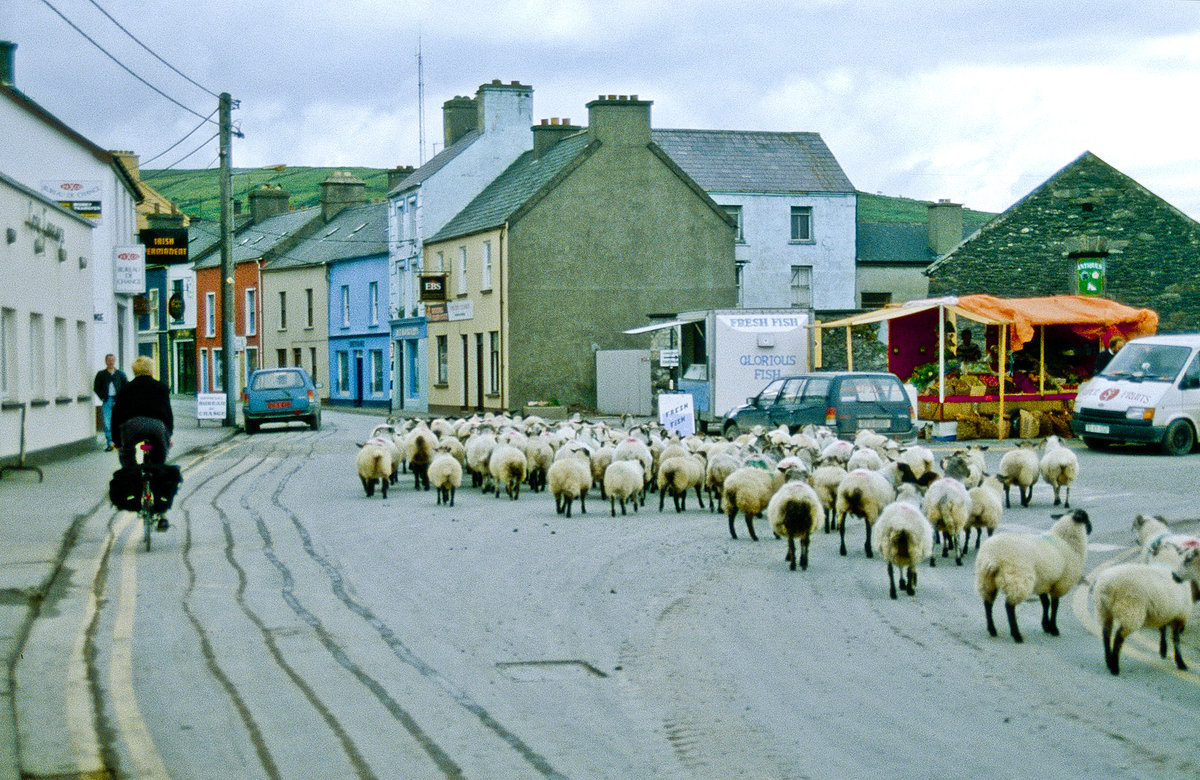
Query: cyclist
{"type": "Point", "coordinates": [142, 412]}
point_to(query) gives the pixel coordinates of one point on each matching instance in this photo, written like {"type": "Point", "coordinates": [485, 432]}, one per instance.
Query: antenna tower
{"type": "Point", "coordinates": [420, 104]}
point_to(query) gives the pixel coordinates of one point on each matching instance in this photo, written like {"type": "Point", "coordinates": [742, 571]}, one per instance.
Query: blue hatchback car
{"type": "Point", "coordinates": [280, 395]}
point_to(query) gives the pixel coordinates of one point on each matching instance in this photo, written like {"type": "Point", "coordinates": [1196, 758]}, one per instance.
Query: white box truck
{"type": "Point", "coordinates": [728, 355]}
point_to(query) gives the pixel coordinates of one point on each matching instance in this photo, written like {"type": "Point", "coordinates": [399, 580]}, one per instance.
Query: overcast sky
{"type": "Point", "coordinates": [978, 101]}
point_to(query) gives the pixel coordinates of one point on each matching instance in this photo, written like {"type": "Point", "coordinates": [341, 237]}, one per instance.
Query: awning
{"type": "Point", "coordinates": [907, 309]}
{"type": "Point", "coordinates": [662, 325]}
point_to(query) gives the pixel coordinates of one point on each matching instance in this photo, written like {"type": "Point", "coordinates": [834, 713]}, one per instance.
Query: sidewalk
{"type": "Point", "coordinates": [38, 524]}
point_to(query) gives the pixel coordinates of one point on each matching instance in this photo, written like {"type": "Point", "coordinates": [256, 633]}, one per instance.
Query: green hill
{"type": "Point", "coordinates": [885, 208]}
{"type": "Point", "coordinates": [197, 192]}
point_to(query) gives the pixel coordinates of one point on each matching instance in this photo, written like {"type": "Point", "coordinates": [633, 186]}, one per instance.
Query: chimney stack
{"type": "Point", "coordinates": [460, 116]}
{"type": "Point", "coordinates": [397, 175]}
{"type": "Point", "coordinates": [8, 52]}
{"type": "Point", "coordinates": [268, 201]}
{"type": "Point", "coordinates": [549, 132]}
{"type": "Point", "coordinates": [620, 120]}
{"type": "Point", "coordinates": [340, 190]}
{"type": "Point", "coordinates": [130, 161]}
{"type": "Point", "coordinates": [945, 226]}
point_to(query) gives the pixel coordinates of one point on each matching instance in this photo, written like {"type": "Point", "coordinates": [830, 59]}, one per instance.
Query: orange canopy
{"type": "Point", "coordinates": [1091, 318]}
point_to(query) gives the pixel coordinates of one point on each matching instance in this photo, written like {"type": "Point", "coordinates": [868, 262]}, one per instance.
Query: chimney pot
{"type": "Point", "coordinates": [8, 51]}
{"type": "Point", "coordinates": [496, 82]}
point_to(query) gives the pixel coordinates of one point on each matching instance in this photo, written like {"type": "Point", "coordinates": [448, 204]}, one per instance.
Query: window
{"type": "Point", "coordinates": [345, 305]}
{"type": "Point", "coordinates": [494, 362]}
{"type": "Point", "coordinates": [210, 314]}
{"type": "Point", "coordinates": [312, 353]}
{"type": "Point", "coordinates": [37, 356]}
{"type": "Point", "coordinates": [204, 386]}
{"type": "Point", "coordinates": [282, 310]}
{"type": "Point", "coordinates": [735, 213]}
{"type": "Point", "coordinates": [176, 312]}
{"type": "Point", "coordinates": [441, 262]}
{"type": "Point", "coordinates": [8, 352]}
{"type": "Point", "coordinates": [462, 270]}
{"type": "Point", "coordinates": [62, 379]}
{"type": "Point", "coordinates": [802, 286]}
{"type": "Point", "coordinates": [149, 320]}
{"type": "Point", "coordinates": [739, 281]}
{"type": "Point", "coordinates": [218, 369]}
{"type": "Point", "coordinates": [486, 281]}
{"type": "Point", "coordinates": [802, 223]}
{"type": "Point", "coordinates": [343, 374]}
{"type": "Point", "coordinates": [443, 361]}
{"type": "Point", "coordinates": [251, 311]}
{"type": "Point", "coordinates": [308, 307]}
{"type": "Point", "coordinates": [81, 357]}
{"type": "Point", "coordinates": [281, 357]}
{"type": "Point", "coordinates": [876, 300]}
{"type": "Point", "coordinates": [296, 357]}
{"type": "Point", "coordinates": [373, 302]}
{"type": "Point", "coordinates": [377, 371]}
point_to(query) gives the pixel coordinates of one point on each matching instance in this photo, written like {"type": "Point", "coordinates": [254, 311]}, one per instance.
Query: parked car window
{"type": "Point", "coordinates": [770, 393]}
{"type": "Point", "coordinates": [816, 390]}
{"type": "Point", "coordinates": [791, 391]}
{"type": "Point", "coordinates": [276, 380]}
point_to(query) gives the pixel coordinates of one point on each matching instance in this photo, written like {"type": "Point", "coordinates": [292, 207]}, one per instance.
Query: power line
{"type": "Point", "coordinates": [189, 154]}
{"type": "Point", "coordinates": [152, 52]}
{"type": "Point", "coordinates": [121, 64]}
{"type": "Point", "coordinates": [181, 140]}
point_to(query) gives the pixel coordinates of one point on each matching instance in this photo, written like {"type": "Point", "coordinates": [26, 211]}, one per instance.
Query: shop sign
{"type": "Point", "coordinates": [81, 196]}
{"type": "Point", "coordinates": [433, 287]}
{"type": "Point", "coordinates": [1091, 277]}
{"type": "Point", "coordinates": [676, 413]}
{"type": "Point", "coordinates": [436, 312]}
{"type": "Point", "coordinates": [129, 269]}
{"type": "Point", "coordinates": [175, 307]}
{"type": "Point", "coordinates": [458, 311]}
{"type": "Point", "coordinates": [165, 246]}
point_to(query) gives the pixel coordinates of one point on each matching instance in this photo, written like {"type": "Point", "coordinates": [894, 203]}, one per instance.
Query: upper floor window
{"type": "Point", "coordinates": [735, 212]}
{"type": "Point", "coordinates": [282, 311]}
{"type": "Point", "coordinates": [308, 307]}
{"type": "Point", "coordinates": [802, 286]}
{"type": "Point", "coordinates": [802, 223]}
{"type": "Point", "coordinates": [441, 263]}
{"type": "Point", "coordinates": [210, 314]}
{"type": "Point", "coordinates": [373, 302]}
{"type": "Point", "coordinates": [486, 281]}
{"type": "Point", "coordinates": [462, 270]}
{"type": "Point", "coordinates": [251, 311]}
{"type": "Point", "coordinates": [739, 281]}
{"type": "Point", "coordinates": [345, 305]}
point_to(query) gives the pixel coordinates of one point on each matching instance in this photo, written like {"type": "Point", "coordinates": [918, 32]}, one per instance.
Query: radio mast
{"type": "Point", "coordinates": [420, 105]}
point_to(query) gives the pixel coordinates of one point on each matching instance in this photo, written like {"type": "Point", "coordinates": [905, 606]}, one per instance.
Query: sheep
{"type": "Point", "coordinates": [864, 459]}
{"type": "Point", "coordinates": [507, 466]}
{"type": "Point", "coordinates": [1021, 565]}
{"type": "Point", "coordinates": [747, 490]}
{"type": "Point", "coordinates": [452, 446]}
{"type": "Point", "coordinates": [601, 457]}
{"type": "Point", "coordinates": [863, 493]}
{"type": "Point", "coordinates": [374, 462]}
{"type": "Point", "coordinates": [793, 512]}
{"type": "Point", "coordinates": [1132, 595]}
{"type": "Point", "coordinates": [478, 449]}
{"type": "Point", "coordinates": [387, 433]}
{"type": "Point", "coordinates": [1021, 466]}
{"type": "Point", "coordinates": [569, 479]}
{"type": "Point", "coordinates": [986, 508]}
{"type": "Point", "coordinates": [624, 481]}
{"type": "Point", "coordinates": [825, 481]}
{"type": "Point", "coordinates": [869, 439]}
{"type": "Point", "coordinates": [904, 538]}
{"type": "Point", "coordinates": [676, 475]}
{"type": "Point", "coordinates": [632, 448]}
{"type": "Point", "coordinates": [948, 507]}
{"type": "Point", "coordinates": [837, 450]}
{"type": "Point", "coordinates": [1158, 543]}
{"type": "Point", "coordinates": [445, 473]}
{"type": "Point", "coordinates": [1059, 467]}
{"type": "Point", "coordinates": [421, 443]}
{"type": "Point", "coordinates": [917, 465]}
{"type": "Point", "coordinates": [720, 465]}
{"type": "Point", "coordinates": [539, 455]}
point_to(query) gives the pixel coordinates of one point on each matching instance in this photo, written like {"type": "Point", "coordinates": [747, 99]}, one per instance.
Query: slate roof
{"type": "Point", "coordinates": [439, 161]}
{"type": "Point", "coordinates": [204, 236]}
{"type": "Point", "coordinates": [512, 189]}
{"type": "Point", "coordinates": [257, 240]}
{"type": "Point", "coordinates": [358, 231]}
{"type": "Point", "coordinates": [754, 161]}
{"type": "Point", "coordinates": [893, 243]}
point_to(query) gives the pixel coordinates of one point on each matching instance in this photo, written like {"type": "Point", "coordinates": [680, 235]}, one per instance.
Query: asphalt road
{"type": "Point", "coordinates": [288, 626]}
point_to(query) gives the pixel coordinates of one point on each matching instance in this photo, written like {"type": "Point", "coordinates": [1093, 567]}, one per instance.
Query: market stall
{"type": "Point", "coordinates": [1031, 353]}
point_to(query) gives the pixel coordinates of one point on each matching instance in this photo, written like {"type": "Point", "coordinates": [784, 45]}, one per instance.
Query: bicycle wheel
{"type": "Point", "coordinates": [147, 519]}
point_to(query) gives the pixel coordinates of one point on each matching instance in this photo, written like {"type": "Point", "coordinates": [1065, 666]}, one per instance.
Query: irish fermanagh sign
{"type": "Point", "coordinates": [165, 246]}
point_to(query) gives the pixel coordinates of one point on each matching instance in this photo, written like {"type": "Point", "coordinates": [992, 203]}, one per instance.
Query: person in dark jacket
{"type": "Point", "coordinates": [142, 412]}
{"type": "Point", "coordinates": [108, 382]}
{"type": "Point", "coordinates": [1108, 353]}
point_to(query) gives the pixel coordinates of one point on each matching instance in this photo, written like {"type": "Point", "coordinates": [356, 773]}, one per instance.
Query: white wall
{"type": "Point", "coordinates": [769, 254]}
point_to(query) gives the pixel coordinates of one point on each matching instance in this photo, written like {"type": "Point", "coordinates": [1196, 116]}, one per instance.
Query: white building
{"type": "Point", "coordinates": [483, 136]}
{"type": "Point", "coordinates": [44, 154]}
{"type": "Point", "coordinates": [46, 368]}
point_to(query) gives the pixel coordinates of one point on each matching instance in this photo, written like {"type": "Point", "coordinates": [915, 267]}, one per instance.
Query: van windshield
{"type": "Point", "coordinates": [1147, 362]}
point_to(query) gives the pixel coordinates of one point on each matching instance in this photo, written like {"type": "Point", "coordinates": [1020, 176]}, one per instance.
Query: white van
{"type": "Point", "coordinates": [1149, 393]}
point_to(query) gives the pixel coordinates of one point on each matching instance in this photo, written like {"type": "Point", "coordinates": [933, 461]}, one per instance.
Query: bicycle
{"type": "Point", "coordinates": [151, 519]}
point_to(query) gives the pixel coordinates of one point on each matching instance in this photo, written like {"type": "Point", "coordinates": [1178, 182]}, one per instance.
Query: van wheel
{"type": "Point", "coordinates": [1179, 438]}
{"type": "Point", "coordinates": [1095, 444]}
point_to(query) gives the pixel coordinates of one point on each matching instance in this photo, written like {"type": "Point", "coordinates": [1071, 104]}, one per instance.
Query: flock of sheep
{"type": "Point", "coordinates": [909, 502]}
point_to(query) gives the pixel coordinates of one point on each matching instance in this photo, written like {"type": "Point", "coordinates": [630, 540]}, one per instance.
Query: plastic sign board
{"type": "Point", "coordinates": [84, 197]}
{"type": "Point", "coordinates": [210, 406]}
{"type": "Point", "coordinates": [668, 358]}
{"type": "Point", "coordinates": [129, 269]}
{"type": "Point", "coordinates": [677, 413]}
{"type": "Point", "coordinates": [433, 287]}
{"type": "Point", "coordinates": [165, 246]}
{"type": "Point", "coordinates": [1091, 276]}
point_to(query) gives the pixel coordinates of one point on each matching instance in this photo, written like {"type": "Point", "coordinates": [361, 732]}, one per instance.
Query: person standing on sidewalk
{"type": "Point", "coordinates": [142, 412]}
{"type": "Point", "coordinates": [108, 382]}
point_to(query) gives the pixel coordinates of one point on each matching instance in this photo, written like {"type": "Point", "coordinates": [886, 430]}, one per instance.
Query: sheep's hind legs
{"type": "Point", "coordinates": [892, 581]}
{"type": "Point", "coordinates": [1011, 609]}
{"type": "Point", "coordinates": [1176, 630]}
{"type": "Point", "coordinates": [1049, 614]}
{"type": "Point", "coordinates": [911, 588]}
{"type": "Point", "coordinates": [867, 545]}
{"type": "Point", "coordinates": [791, 554]}
{"type": "Point", "coordinates": [750, 528]}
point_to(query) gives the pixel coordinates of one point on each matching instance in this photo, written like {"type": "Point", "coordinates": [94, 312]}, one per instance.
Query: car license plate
{"type": "Point", "coordinates": [278, 404]}
{"type": "Point", "coordinates": [1095, 428]}
{"type": "Point", "coordinates": [875, 424]}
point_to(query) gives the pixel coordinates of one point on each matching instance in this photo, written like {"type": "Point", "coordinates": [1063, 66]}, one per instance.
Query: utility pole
{"type": "Point", "coordinates": [227, 384]}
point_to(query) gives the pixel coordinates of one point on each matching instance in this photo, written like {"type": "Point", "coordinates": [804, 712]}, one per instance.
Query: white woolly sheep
{"type": "Point", "coordinates": [454, 447]}
{"type": "Point", "coordinates": [917, 465]}
{"type": "Point", "coordinates": [479, 448]}
{"type": "Point", "coordinates": [507, 466]}
{"type": "Point", "coordinates": [632, 448]}
{"type": "Point", "coordinates": [865, 459]}
{"type": "Point", "coordinates": [374, 462]}
{"type": "Point", "coordinates": [539, 455]}
{"type": "Point", "coordinates": [676, 476]}
{"type": "Point", "coordinates": [986, 507]}
{"type": "Point", "coordinates": [793, 512]}
{"type": "Point", "coordinates": [1022, 565]}
{"type": "Point", "coordinates": [624, 481]}
{"type": "Point", "coordinates": [421, 443]}
{"type": "Point", "coordinates": [948, 507]}
{"type": "Point", "coordinates": [1019, 466]}
{"type": "Point", "coordinates": [569, 479]}
{"type": "Point", "coordinates": [720, 465]}
{"type": "Point", "coordinates": [1059, 467]}
{"type": "Point", "coordinates": [825, 481]}
{"type": "Point", "coordinates": [1159, 544]}
{"type": "Point", "coordinates": [387, 433]}
{"type": "Point", "coordinates": [601, 457]}
{"type": "Point", "coordinates": [869, 439]}
{"type": "Point", "coordinates": [904, 538]}
{"type": "Point", "coordinates": [1130, 596]}
{"type": "Point", "coordinates": [862, 493]}
{"type": "Point", "coordinates": [445, 473]}
{"type": "Point", "coordinates": [747, 490]}
{"type": "Point", "coordinates": [837, 450]}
